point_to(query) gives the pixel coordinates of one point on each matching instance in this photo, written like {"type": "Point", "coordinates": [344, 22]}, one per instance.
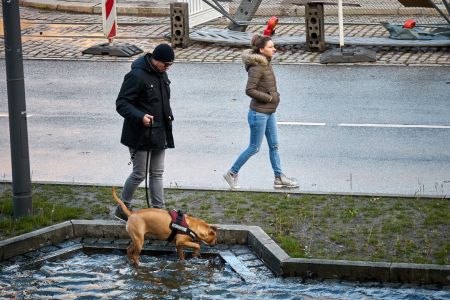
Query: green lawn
{"type": "Point", "coordinates": [391, 229]}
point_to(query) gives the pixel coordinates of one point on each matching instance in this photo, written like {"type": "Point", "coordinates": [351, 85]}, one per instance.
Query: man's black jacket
{"type": "Point", "coordinates": [144, 91]}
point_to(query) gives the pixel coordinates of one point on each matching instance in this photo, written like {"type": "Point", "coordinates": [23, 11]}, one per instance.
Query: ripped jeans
{"type": "Point", "coordinates": [260, 124]}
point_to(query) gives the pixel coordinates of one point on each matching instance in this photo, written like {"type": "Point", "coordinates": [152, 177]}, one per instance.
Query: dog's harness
{"type": "Point", "coordinates": [179, 225]}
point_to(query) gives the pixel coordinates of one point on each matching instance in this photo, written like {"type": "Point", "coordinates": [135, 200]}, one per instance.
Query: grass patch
{"type": "Point", "coordinates": [412, 230]}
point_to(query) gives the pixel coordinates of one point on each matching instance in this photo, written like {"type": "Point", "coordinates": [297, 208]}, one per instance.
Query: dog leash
{"type": "Point", "coordinates": [146, 177]}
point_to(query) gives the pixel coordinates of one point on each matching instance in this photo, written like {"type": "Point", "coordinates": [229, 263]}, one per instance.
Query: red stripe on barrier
{"type": "Point", "coordinates": [109, 5]}
{"type": "Point", "coordinates": [112, 33]}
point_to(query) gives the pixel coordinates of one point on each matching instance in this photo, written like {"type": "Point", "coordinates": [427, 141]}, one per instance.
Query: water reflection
{"type": "Point", "coordinates": [102, 276]}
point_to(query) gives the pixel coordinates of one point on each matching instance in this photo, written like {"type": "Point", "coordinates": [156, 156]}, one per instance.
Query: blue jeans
{"type": "Point", "coordinates": [260, 124]}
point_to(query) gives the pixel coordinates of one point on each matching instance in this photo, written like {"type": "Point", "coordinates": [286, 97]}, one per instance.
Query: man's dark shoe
{"type": "Point", "coordinates": [119, 214]}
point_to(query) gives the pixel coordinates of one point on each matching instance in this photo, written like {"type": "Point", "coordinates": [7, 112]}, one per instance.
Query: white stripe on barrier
{"type": "Point", "coordinates": [111, 22]}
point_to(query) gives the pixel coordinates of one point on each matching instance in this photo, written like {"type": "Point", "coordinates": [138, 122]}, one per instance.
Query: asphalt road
{"type": "Point", "coordinates": [342, 129]}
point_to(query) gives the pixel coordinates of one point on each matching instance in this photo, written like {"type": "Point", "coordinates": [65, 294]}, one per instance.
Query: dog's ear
{"type": "Point", "coordinates": [215, 228]}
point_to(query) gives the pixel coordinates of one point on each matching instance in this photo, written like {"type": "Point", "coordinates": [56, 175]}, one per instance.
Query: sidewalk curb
{"type": "Point", "coordinates": [95, 8]}
{"type": "Point", "coordinates": [136, 10]}
{"type": "Point", "coordinates": [262, 191]}
{"type": "Point", "coordinates": [445, 64]}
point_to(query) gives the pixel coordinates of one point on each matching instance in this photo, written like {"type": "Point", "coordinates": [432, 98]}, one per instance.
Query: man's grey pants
{"type": "Point", "coordinates": [155, 182]}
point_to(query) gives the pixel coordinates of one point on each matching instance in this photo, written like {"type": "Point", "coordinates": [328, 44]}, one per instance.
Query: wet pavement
{"type": "Point", "coordinates": [375, 131]}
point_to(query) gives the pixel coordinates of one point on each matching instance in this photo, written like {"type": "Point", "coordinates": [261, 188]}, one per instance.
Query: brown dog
{"type": "Point", "coordinates": [156, 222]}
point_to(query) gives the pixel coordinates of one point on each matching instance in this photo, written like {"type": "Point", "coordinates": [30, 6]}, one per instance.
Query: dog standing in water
{"type": "Point", "coordinates": [157, 222]}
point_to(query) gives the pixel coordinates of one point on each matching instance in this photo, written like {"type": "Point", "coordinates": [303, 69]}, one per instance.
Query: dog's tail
{"type": "Point", "coordinates": [120, 202]}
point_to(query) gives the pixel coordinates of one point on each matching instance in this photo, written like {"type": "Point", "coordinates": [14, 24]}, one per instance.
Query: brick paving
{"type": "Point", "coordinates": [60, 35]}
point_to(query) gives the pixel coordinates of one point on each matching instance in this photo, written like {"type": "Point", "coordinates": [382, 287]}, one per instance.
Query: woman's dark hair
{"type": "Point", "coordinates": [259, 41]}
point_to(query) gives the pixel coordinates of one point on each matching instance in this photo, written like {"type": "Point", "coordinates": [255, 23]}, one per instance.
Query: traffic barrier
{"type": "Point", "coordinates": [109, 17]}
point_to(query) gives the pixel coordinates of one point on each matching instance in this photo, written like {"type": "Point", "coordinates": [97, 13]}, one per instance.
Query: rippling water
{"type": "Point", "coordinates": [110, 276]}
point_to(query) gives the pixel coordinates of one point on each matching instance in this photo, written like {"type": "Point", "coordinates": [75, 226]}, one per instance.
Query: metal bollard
{"type": "Point", "coordinates": [315, 31]}
{"type": "Point", "coordinates": [179, 15]}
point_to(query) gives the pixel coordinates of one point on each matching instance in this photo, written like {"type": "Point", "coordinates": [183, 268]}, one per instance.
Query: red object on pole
{"type": "Point", "coordinates": [409, 24]}
{"type": "Point", "coordinates": [270, 28]}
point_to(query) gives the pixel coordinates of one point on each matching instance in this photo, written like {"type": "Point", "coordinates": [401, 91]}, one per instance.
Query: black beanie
{"type": "Point", "coordinates": [164, 53]}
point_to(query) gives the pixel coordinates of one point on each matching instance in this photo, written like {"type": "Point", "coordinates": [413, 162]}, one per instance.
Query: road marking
{"type": "Point", "coordinates": [366, 125]}
{"type": "Point", "coordinates": [302, 123]}
{"type": "Point", "coordinates": [395, 126]}
{"type": "Point", "coordinates": [6, 115]}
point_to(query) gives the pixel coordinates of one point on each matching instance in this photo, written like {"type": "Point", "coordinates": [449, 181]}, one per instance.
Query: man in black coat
{"type": "Point", "coordinates": [144, 103]}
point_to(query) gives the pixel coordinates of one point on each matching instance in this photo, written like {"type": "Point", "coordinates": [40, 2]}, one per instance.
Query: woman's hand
{"type": "Point", "coordinates": [275, 97]}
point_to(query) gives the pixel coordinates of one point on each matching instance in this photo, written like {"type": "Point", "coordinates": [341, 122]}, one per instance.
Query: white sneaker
{"type": "Point", "coordinates": [284, 182]}
{"type": "Point", "coordinates": [231, 180]}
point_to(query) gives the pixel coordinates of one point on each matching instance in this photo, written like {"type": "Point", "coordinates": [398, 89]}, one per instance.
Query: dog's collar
{"type": "Point", "coordinates": [179, 225]}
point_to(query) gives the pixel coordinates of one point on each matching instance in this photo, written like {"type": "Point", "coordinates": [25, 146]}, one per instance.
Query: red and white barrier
{"type": "Point", "coordinates": [109, 17]}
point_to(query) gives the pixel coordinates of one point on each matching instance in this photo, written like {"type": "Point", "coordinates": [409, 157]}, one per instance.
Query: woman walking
{"type": "Point", "coordinates": [262, 88]}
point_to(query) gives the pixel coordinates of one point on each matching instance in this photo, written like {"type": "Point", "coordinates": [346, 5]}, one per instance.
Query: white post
{"type": "Point", "coordinates": [341, 24]}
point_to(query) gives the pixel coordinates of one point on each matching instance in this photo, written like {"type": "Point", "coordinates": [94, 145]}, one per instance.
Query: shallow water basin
{"type": "Point", "coordinates": [109, 275]}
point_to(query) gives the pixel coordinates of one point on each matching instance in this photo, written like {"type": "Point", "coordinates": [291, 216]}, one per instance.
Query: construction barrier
{"type": "Point", "coordinates": [109, 17]}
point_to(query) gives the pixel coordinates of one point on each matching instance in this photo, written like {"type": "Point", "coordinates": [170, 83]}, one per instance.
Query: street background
{"type": "Point", "coordinates": [329, 128]}
{"type": "Point", "coordinates": [357, 128]}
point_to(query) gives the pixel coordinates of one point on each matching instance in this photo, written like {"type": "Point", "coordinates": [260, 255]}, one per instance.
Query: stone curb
{"type": "Point", "coordinates": [266, 249]}
{"type": "Point", "coordinates": [256, 239]}
{"type": "Point", "coordinates": [37, 239]}
{"type": "Point", "coordinates": [129, 9]}
{"type": "Point", "coordinates": [336, 269]}
{"type": "Point", "coordinates": [416, 273]}
{"type": "Point", "coordinates": [270, 191]}
{"type": "Point", "coordinates": [99, 229]}
{"type": "Point", "coordinates": [367, 271]}
{"type": "Point", "coordinates": [94, 8]}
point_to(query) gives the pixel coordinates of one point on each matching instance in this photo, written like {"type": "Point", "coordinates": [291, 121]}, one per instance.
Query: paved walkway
{"type": "Point", "coordinates": [272, 7]}
{"type": "Point", "coordinates": [51, 33]}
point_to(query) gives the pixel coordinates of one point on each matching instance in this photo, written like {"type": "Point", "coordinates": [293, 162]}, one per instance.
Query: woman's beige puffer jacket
{"type": "Point", "coordinates": [261, 84]}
